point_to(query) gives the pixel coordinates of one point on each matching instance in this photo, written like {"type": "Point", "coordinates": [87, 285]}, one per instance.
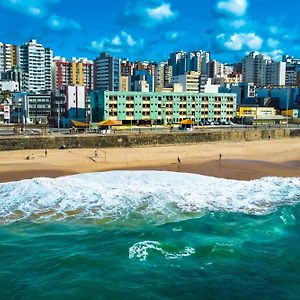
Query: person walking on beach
{"type": "Point", "coordinates": [33, 156]}
{"type": "Point", "coordinates": [178, 159]}
{"type": "Point", "coordinates": [220, 156]}
{"type": "Point", "coordinates": [46, 153]}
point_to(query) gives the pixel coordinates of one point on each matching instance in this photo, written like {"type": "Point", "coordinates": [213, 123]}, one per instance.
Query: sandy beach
{"type": "Point", "coordinates": [240, 160]}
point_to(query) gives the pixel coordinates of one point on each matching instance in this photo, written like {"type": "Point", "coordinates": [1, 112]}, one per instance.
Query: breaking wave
{"type": "Point", "coordinates": [150, 196]}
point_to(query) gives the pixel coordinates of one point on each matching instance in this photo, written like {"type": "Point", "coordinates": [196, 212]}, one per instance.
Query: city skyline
{"type": "Point", "coordinates": [151, 29]}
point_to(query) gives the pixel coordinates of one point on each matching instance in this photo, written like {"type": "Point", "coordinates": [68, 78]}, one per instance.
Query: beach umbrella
{"type": "Point", "coordinates": [110, 123]}
{"type": "Point", "coordinates": [79, 124]}
{"type": "Point", "coordinates": [187, 122]}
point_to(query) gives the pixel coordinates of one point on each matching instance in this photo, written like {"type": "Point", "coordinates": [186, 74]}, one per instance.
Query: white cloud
{"type": "Point", "coordinates": [120, 43]}
{"type": "Point", "coordinates": [36, 8]}
{"type": "Point", "coordinates": [241, 41]}
{"type": "Point", "coordinates": [272, 43]}
{"type": "Point", "coordinates": [274, 29]}
{"type": "Point", "coordinates": [275, 54]}
{"type": "Point", "coordinates": [62, 24]}
{"type": "Point", "coordinates": [161, 12]}
{"type": "Point", "coordinates": [147, 13]}
{"type": "Point", "coordinates": [233, 7]}
{"type": "Point", "coordinates": [116, 41]}
{"type": "Point", "coordinates": [238, 23]}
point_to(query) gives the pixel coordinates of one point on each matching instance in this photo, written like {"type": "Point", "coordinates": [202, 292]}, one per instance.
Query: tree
{"type": "Point", "coordinates": [5, 96]}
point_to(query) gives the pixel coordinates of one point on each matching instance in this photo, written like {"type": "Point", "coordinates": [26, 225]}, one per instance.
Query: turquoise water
{"type": "Point", "coordinates": [150, 235]}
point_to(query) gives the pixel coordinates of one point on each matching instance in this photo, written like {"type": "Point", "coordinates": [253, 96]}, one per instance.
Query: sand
{"type": "Point", "coordinates": [240, 160]}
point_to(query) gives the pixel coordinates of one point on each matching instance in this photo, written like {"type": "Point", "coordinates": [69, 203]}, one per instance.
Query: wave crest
{"type": "Point", "coordinates": [151, 195]}
{"type": "Point", "coordinates": [140, 251]}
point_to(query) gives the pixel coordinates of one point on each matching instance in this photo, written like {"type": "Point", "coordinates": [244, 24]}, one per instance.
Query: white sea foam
{"type": "Point", "coordinates": [140, 251]}
{"type": "Point", "coordinates": [152, 195]}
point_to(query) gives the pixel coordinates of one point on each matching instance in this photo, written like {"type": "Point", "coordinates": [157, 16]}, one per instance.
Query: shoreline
{"type": "Point", "coordinates": [240, 160]}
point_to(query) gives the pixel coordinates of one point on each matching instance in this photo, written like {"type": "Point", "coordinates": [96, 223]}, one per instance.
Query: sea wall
{"type": "Point", "coordinates": [141, 139]}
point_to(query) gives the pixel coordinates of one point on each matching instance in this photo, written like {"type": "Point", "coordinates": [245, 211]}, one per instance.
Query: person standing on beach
{"type": "Point", "coordinates": [33, 156]}
{"type": "Point", "coordinates": [178, 159]}
{"type": "Point", "coordinates": [220, 156]}
{"type": "Point", "coordinates": [96, 153]}
{"type": "Point", "coordinates": [46, 153]}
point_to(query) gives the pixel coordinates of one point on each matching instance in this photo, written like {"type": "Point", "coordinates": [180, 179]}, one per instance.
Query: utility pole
{"type": "Point", "coordinates": [58, 116]}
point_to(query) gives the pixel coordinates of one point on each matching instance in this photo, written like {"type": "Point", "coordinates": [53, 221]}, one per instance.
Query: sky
{"type": "Point", "coordinates": [151, 29]}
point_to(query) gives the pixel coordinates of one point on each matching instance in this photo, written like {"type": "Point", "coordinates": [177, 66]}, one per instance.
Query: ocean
{"type": "Point", "coordinates": [150, 235]}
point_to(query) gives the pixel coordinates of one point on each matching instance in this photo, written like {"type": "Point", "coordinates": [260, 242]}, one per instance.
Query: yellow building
{"type": "Point", "coordinates": [261, 115]}
{"type": "Point", "coordinates": [293, 115]}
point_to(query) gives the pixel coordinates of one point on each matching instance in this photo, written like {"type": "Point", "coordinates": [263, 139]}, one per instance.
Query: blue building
{"type": "Point", "coordinates": [107, 73]}
{"type": "Point", "coordinates": [288, 98]}
{"type": "Point", "coordinates": [183, 62]}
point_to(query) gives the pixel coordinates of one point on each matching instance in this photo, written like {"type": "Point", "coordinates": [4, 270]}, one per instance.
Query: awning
{"type": "Point", "coordinates": [110, 123]}
{"type": "Point", "coordinates": [187, 122]}
{"type": "Point", "coordinates": [80, 124]}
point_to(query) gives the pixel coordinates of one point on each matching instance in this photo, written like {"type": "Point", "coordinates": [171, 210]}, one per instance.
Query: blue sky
{"type": "Point", "coordinates": [151, 29]}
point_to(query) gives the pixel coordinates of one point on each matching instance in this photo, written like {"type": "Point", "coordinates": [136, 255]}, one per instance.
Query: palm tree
{"type": "Point", "coordinates": [5, 96]}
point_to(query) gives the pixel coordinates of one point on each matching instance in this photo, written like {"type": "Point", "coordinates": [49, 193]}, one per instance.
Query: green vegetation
{"type": "Point", "coordinates": [5, 96]}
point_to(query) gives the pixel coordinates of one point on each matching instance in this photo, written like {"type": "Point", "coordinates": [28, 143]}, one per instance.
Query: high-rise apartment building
{"type": "Point", "coordinates": [8, 58]}
{"type": "Point", "coordinates": [262, 71]}
{"type": "Point", "coordinates": [215, 69]}
{"type": "Point", "coordinates": [107, 73]}
{"type": "Point", "coordinates": [255, 67]}
{"type": "Point", "coordinates": [182, 62]}
{"type": "Point", "coordinates": [71, 73]}
{"type": "Point", "coordinates": [35, 62]}
{"type": "Point", "coordinates": [292, 69]}
{"type": "Point", "coordinates": [162, 76]}
{"type": "Point", "coordinates": [48, 65]}
{"type": "Point", "coordinates": [127, 68]}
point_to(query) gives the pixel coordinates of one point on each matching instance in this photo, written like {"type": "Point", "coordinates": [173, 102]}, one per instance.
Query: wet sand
{"type": "Point", "coordinates": [240, 160]}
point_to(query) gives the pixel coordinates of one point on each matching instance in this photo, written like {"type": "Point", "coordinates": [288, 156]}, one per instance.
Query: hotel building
{"type": "Point", "coordinates": [162, 107]}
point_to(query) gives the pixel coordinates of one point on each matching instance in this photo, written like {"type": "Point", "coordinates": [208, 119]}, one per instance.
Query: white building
{"type": "Point", "coordinates": [11, 86]}
{"type": "Point", "coordinates": [141, 86]}
{"type": "Point", "coordinates": [209, 87]}
{"type": "Point", "coordinates": [76, 102]}
{"type": "Point", "coordinates": [276, 72]}
{"type": "Point", "coordinates": [262, 70]}
{"type": "Point", "coordinates": [190, 82]}
{"type": "Point", "coordinates": [4, 113]}
{"type": "Point", "coordinates": [215, 69]}
{"type": "Point", "coordinates": [35, 62]}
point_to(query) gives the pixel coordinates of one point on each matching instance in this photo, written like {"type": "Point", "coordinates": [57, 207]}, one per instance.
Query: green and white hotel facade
{"type": "Point", "coordinates": [162, 108]}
